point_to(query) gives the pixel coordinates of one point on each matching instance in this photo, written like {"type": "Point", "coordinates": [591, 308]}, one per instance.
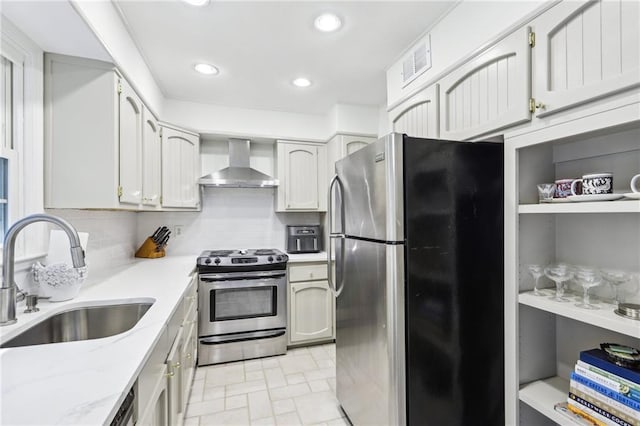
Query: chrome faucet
{"type": "Point", "coordinates": [9, 291]}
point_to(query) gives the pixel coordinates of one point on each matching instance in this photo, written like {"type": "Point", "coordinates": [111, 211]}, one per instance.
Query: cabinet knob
{"type": "Point", "coordinates": [188, 356]}
{"type": "Point", "coordinates": [169, 374]}
{"type": "Point", "coordinates": [176, 365]}
{"type": "Point", "coordinates": [540, 105]}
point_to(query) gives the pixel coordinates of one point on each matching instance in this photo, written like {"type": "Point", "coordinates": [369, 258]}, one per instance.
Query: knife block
{"type": "Point", "coordinates": [150, 250]}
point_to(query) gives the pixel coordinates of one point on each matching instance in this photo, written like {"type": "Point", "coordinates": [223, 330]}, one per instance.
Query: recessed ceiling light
{"type": "Point", "coordinates": [196, 2]}
{"type": "Point", "coordinates": [301, 82]}
{"type": "Point", "coordinates": [327, 22]}
{"type": "Point", "coordinates": [206, 69]}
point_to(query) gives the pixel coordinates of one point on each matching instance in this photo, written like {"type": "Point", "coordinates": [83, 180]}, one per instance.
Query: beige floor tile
{"type": "Point", "coordinates": [332, 383]}
{"type": "Point", "coordinates": [289, 419]}
{"type": "Point", "coordinates": [321, 373]}
{"type": "Point", "coordinates": [225, 374]}
{"type": "Point", "coordinates": [267, 421]}
{"type": "Point", "coordinates": [245, 387]}
{"type": "Point", "coordinates": [200, 373]}
{"type": "Point", "coordinates": [191, 421]}
{"type": "Point", "coordinates": [205, 407]}
{"type": "Point", "coordinates": [271, 362]}
{"type": "Point", "coordinates": [297, 352]}
{"type": "Point", "coordinates": [319, 386]}
{"type": "Point", "coordinates": [237, 417]}
{"type": "Point", "coordinates": [289, 391]}
{"type": "Point", "coordinates": [298, 364]}
{"type": "Point", "coordinates": [283, 406]}
{"type": "Point", "coordinates": [326, 363]}
{"type": "Point", "coordinates": [254, 375]}
{"type": "Point", "coordinates": [213, 392]}
{"type": "Point", "coordinates": [252, 365]}
{"type": "Point", "coordinates": [237, 401]}
{"type": "Point", "coordinates": [294, 379]}
{"type": "Point", "coordinates": [319, 352]}
{"type": "Point", "coordinates": [339, 422]}
{"type": "Point", "coordinates": [197, 388]}
{"type": "Point", "coordinates": [259, 405]}
{"type": "Point", "coordinates": [317, 407]}
{"type": "Point", "coordinates": [275, 377]}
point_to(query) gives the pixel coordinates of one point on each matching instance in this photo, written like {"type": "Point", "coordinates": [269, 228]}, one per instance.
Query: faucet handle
{"type": "Point", "coordinates": [32, 302]}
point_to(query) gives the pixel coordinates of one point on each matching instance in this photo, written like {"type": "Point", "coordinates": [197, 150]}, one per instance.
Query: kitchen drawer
{"type": "Point", "coordinates": [308, 272]}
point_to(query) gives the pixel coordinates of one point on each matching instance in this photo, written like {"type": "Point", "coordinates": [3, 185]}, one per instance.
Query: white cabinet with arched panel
{"type": "Point", "coordinates": [301, 169]}
{"type": "Point", "coordinates": [180, 168]}
{"type": "Point", "coordinates": [151, 160]}
{"type": "Point", "coordinates": [130, 135]}
{"type": "Point", "coordinates": [418, 116]}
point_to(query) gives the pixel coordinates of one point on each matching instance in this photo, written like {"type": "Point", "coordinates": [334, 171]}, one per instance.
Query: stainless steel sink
{"type": "Point", "coordinates": [81, 323]}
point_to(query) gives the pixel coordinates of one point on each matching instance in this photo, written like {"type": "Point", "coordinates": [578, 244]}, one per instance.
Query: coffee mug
{"type": "Point", "coordinates": [594, 184]}
{"type": "Point", "coordinates": [563, 188]}
{"type": "Point", "coordinates": [635, 183]}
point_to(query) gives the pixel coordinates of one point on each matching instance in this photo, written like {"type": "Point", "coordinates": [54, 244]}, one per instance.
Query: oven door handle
{"type": "Point", "coordinates": [241, 276]}
{"type": "Point", "coordinates": [220, 340]}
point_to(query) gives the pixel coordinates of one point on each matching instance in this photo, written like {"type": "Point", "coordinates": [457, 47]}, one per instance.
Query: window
{"type": "Point", "coordinates": [6, 136]}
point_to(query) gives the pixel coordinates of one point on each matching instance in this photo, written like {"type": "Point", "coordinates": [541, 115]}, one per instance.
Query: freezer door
{"type": "Point", "coordinates": [371, 183]}
{"type": "Point", "coordinates": [370, 361]}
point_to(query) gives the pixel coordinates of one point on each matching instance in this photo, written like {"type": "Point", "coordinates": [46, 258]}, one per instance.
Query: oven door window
{"type": "Point", "coordinates": [241, 303]}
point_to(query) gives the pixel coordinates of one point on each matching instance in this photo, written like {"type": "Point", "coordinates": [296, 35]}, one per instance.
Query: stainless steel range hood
{"type": "Point", "coordinates": [239, 174]}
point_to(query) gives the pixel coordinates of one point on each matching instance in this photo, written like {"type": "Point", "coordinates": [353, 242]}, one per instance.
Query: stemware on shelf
{"type": "Point", "coordinates": [559, 273]}
{"type": "Point", "coordinates": [537, 271]}
{"type": "Point", "coordinates": [615, 279]}
{"type": "Point", "coordinates": [587, 278]}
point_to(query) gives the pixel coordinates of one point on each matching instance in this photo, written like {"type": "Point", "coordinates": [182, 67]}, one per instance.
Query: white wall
{"type": "Point", "coordinates": [230, 218]}
{"type": "Point", "coordinates": [353, 119]}
{"type": "Point", "coordinates": [105, 22]}
{"type": "Point", "coordinates": [464, 29]}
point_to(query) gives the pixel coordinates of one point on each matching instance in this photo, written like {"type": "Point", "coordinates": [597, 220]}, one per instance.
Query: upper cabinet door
{"type": "Point", "coordinates": [180, 168]}
{"type": "Point", "coordinates": [352, 144]}
{"type": "Point", "coordinates": [585, 51]}
{"type": "Point", "coordinates": [490, 92]}
{"type": "Point", "coordinates": [151, 167]}
{"type": "Point", "coordinates": [130, 190]}
{"type": "Point", "coordinates": [418, 116]}
{"type": "Point", "coordinates": [301, 176]}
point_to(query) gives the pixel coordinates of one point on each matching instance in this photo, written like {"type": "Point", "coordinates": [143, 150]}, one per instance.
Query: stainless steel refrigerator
{"type": "Point", "coordinates": [417, 230]}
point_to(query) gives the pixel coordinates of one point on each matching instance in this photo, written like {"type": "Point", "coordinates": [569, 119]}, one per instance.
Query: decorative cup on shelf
{"type": "Point", "coordinates": [59, 281]}
{"type": "Point", "coordinates": [563, 187]}
{"type": "Point", "coordinates": [594, 184]}
{"type": "Point", "coordinates": [546, 192]}
{"type": "Point", "coordinates": [635, 183]}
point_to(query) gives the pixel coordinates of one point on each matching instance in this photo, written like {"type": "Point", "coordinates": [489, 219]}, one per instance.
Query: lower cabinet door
{"type": "Point", "coordinates": [311, 311]}
{"type": "Point", "coordinates": [156, 412]}
{"type": "Point", "coordinates": [174, 382]}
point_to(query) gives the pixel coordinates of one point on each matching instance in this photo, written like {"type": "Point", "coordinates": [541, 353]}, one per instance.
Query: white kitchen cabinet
{"type": "Point", "coordinates": [490, 92]}
{"type": "Point", "coordinates": [302, 171]}
{"type": "Point", "coordinates": [543, 337]}
{"type": "Point", "coordinates": [130, 137]}
{"type": "Point", "coordinates": [418, 116]}
{"type": "Point", "coordinates": [585, 51]}
{"type": "Point", "coordinates": [311, 304]}
{"type": "Point", "coordinates": [180, 167]}
{"type": "Point", "coordinates": [175, 379]}
{"type": "Point", "coordinates": [340, 146]}
{"type": "Point", "coordinates": [152, 160]}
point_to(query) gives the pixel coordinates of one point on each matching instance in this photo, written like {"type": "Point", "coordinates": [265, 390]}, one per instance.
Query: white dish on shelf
{"type": "Point", "coordinates": [556, 200]}
{"type": "Point", "coordinates": [594, 197]}
{"type": "Point", "coordinates": [632, 195]}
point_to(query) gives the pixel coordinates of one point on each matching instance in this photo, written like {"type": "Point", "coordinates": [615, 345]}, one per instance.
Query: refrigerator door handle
{"type": "Point", "coordinates": [334, 235]}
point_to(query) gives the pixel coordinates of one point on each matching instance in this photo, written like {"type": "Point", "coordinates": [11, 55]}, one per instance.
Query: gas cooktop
{"type": "Point", "coordinates": [241, 259]}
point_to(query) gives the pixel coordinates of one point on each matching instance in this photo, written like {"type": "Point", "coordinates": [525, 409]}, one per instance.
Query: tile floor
{"type": "Point", "coordinates": [293, 389]}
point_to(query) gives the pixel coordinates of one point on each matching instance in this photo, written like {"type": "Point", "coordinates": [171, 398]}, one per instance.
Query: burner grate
{"type": "Point", "coordinates": [264, 252]}
{"type": "Point", "coordinates": [219, 253]}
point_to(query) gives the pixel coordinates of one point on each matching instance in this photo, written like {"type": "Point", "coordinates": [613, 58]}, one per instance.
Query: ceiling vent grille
{"type": "Point", "coordinates": [417, 61]}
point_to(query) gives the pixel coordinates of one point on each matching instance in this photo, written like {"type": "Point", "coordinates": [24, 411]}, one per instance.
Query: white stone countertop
{"type": "Point", "coordinates": [308, 257]}
{"type": "Point", "coordinates": [84, 382]}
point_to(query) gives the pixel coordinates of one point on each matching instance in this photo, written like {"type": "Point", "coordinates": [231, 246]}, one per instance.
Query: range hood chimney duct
{"type": "Point", "coordinates": [239, 174]}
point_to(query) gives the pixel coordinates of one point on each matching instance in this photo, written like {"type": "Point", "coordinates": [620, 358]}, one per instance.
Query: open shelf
{"type": "Point", "coordinates": [543, 395]}
{"type": "Point", "coordinates": [618, 206]}
{"type": "Point", "coordinates": [604, 317]}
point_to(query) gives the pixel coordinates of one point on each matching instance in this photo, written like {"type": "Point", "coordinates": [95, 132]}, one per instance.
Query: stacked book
{"type": "Point", "coordinates": [604, 393]}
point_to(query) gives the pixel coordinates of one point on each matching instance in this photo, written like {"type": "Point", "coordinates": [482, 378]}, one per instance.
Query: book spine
{"type": "Point", "coordinates": [596, 410]}
{"type": "Point", "coordinates": [633, 394]}
{"type": "Point", "coordinates": [589, 414]}
{"type": "Point", "coordinates": [602, 380]}
{"type": "Point", "coordinates": [605, 403]}
{"type": "Point", "coordinates": [593, 359]}
{"type": "Point", "coordinates": [606, 391]}
{"type": "Point", "coordinates": [623, 382]}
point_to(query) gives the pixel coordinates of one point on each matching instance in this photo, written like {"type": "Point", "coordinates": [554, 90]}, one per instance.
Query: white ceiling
{"type": "Point", "coordinates": [261, 46]}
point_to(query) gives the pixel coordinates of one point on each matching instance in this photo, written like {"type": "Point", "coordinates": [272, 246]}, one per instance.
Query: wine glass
{"type": "Point", "coordinates": [587, 278]}
{"type": "Point", "coordinates": [615, 279]}
{"type": "Point", "coordinates": [559, 273]}
{"type": "Point", "coordinates": [537, 271]}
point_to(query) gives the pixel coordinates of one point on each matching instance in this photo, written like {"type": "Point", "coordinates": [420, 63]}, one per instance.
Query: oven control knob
{"type": "Point", "coordinates": [279, 258]}
{"type": "Point", "coordinates": [207, 261]}
{"type": "Point", "coordinates": [217, 261]}
{"type": "Point", "coordinates": [270, 258]}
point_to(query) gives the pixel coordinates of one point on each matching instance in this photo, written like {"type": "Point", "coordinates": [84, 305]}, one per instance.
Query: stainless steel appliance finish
{"type": "Point", "coordinates": [239, 174]}
{"type": "Point", "coordinates": [83, 323]}
{"type": "Point", "coordinates": [417, 228]}
{"type": "Point", "coordinates": [242, 304]}
{"type": "Point", "coordinates": [304, 239]}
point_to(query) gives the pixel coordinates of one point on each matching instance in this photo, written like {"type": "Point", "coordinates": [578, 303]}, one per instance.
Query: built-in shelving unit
{"type": "Point", "coordinates": [621, 206]}
{"type": "Point", "coordinates": [542, 395]}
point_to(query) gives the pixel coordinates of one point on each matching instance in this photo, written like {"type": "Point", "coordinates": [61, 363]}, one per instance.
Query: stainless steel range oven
{"type": "Point", "coordinates": [242, 304]}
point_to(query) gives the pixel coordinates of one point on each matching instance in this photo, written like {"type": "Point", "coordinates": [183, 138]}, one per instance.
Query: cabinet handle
{"type": "Point", "coordinates": [169, 374]}
{"type": "Point", "coordinates": [188, 356]}
{"type": "Point", "coordinates": [176, 365]}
